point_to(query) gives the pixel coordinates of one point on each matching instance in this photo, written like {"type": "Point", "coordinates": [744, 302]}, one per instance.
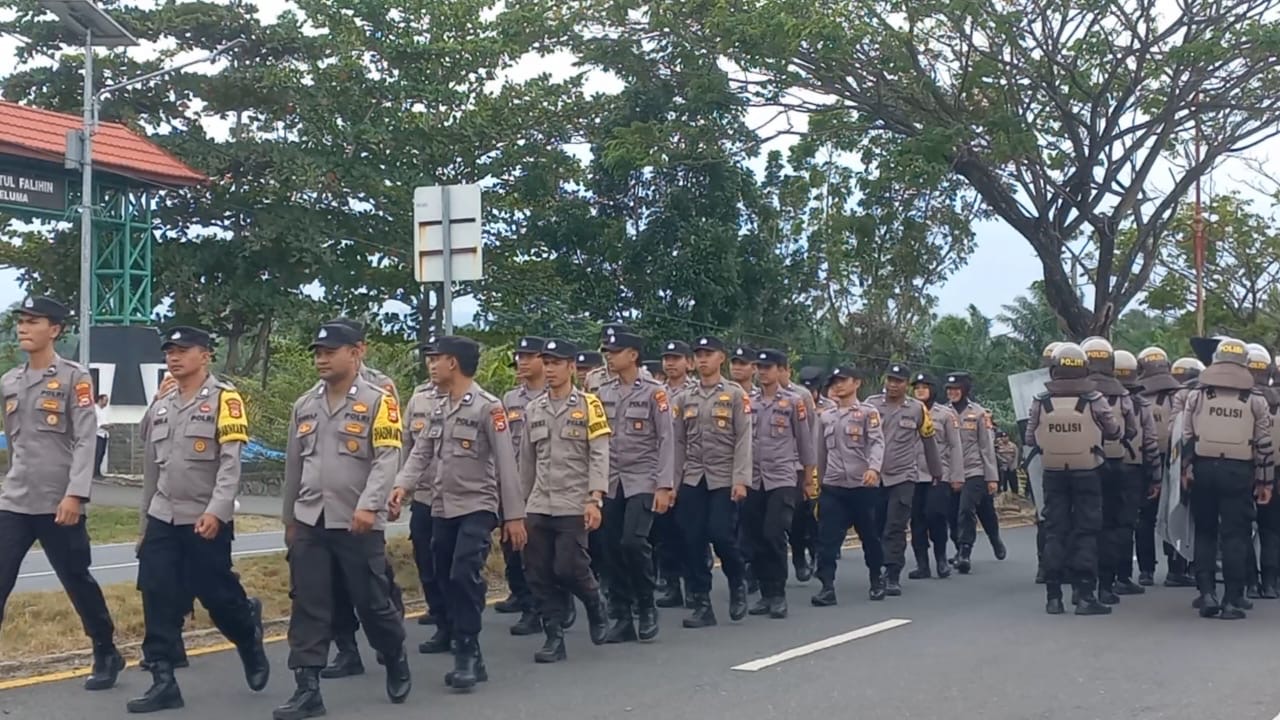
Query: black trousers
{"type": "Point", "coordinates": [517, 584]}
{"type": "Point", "coordinates": [838, 510]}
{"type": "Point", "coordinates": [709, 516]}
{"type": "Point", "coordinates": [1222, 506]}
{"type": "Point", "coordinates": [345, 620]}
{"type": "Point", "coordinates": [971, 497]}
{"type": "Point", "coordinates": [68, 551]}
{"type": "Point", "coordinates": [628, 521]}
{"type": "Point", "coordinates": [555, 560]}
{"type": "Point", "coordinates": [315, 556]}
{"type": "Point", "coordinates": [420, 532]}
{"type": "Point", "coordinates": [1269, 537]}
{"type": "Point", "coordinates": [668, 547]}
{"type": "Point", "coordinates": [767, 516]}
{"type": "Point", "coordinates": [1144, 539]}
{"type": "Point", "coordinates": [1122, 491]}
{"type": "Point", "coordinates": [804, 531]}
{"type": "Point", "coordinates": [460, 548]}
{"type": "Point", "coordinates": [897, 518]}
{"type": "Point", "coordinates": [99, 452]}
{"type": "Point", "coordinates": [1072, 522]}
{"type": "Point", "coordinates": [929, 510]}
{"type": "Point", "coordinates": [174, 565]}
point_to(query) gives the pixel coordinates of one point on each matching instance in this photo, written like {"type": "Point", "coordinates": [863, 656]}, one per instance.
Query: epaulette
{"type": "Point", "coordinates": [72, 364]}
{"type": "Point", "coordinates": [490, 397]}
{"type": "Point", "coordinates": [224, 384]}
{"type": "Point", "coordinates": [422, 387]}
{"type": "Point", "coordinates": [650, 381]}
{"type": "Point", "coordinates": [1090, 395]}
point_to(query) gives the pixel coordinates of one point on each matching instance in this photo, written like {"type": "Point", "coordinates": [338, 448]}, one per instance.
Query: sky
{"type": "Point", "coordinates": [1001, 267]}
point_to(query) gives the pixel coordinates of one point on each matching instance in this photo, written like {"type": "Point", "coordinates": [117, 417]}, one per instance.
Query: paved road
{"type": "Point", "coordinates": [977, 646]}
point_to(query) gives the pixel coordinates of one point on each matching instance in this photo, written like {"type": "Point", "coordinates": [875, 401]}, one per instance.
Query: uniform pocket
{"type": "Point", "coordinates": [54, 421]}
{"type": "Point", "coordinates": [198, 444]}
{"type": "Point", "coordinates": [353, 441]}
{"type": "Point", "coordinates": [465, 441]}
{"type": "Point", "coordinates": [637, 420]}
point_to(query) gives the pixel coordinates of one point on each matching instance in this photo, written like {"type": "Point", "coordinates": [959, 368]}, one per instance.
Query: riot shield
{"type": "Point", "coordinates": [1174, 523]}
{"type": "Point", "coordinates": [1023, 388]}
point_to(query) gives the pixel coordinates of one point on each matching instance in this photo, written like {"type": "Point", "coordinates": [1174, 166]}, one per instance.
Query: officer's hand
{"type": "Point", "coordinates": [1153, 493]}
{"type": "Point", "coordinates": [870, 478]}
{"type": "Point", "coordinates": [739, 493]}
{"type": "Point", "coordinates": [811, 491]}
{"type": "Point", "coordinates": [207, 526]}
{"type": "Point", "coordinates": [166, 385]}
{"type": "Point", "coordinates": [68, 511]}
{"type": "Point", "coordinates": [513, 533]}
{"type": "Point", "coordinates": [957, 486]}
{"type": "Point", "coordinates": [362, 521]}
{"type": "Point", "coordinates": [395, 503]}
{"type": "Point", "coordinates": [591, 517]}
{"type": "Point", "coordinates": [137, 549]}
{"type": "Point", "coordinates": [1186, 480]}
{"type": "Point", "coordinates": [1263, 494]}
{"type": "Point", "coordinates": [288, 534]}
{"type": "Point", "coordinates": [992, 488]}
{"type": "Point", "coordinates": [662, 501]}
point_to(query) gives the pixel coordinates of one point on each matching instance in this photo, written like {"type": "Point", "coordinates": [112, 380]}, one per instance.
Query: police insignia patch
{"type": "Point", "coordinates": [419, 424]}
{"type": "Point", "coordinates": [304, 428]}
{"type": "Point", "coordinates": [874, 420]}
{"type": "Point", "coordinates": [577, 414]}
{"type": "Point", "coordinates": [352, 446]}
{"type": "Point", "coordinates": [200, 446]}
{"type": "Point", "coordinates": [48, 405]}
{"type": "Point", "coordinates": [354, 428]}
{"type": "Point", "coordinates": [84, 393]}
{"type": "Point", "coordinates": [660, 398]}
{"type": "Point", "coordinates": [51, 419]}
{"type": "Point", "coordinates": [53, 384]}
{"type": "Point", "coordinates": [206, 408]}
{"type": "Point", "coordinates": [235, 408]}
{"type": "Point", "coordinates": [10, 406]}
{"type": "Point", "coordinates": [499, 418]}
{"type": "Point", "coordinates": [360, 408]}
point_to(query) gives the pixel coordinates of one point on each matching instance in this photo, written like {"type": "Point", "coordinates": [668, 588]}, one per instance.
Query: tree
{"type": "Point", "coordinates": [1060, 116]}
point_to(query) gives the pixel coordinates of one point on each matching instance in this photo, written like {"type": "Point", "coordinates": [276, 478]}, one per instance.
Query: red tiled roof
{"type": "Point", "coordinates": [42, 135]}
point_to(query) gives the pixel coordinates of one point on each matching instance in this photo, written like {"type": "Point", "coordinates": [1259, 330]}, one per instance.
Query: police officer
{"type": "Point", "coordinates": [52, 428]}
{"type": "Point", "coordinates": [783, 440]}
{"type": "Point", "coordinates": [850, 455]}
{"type": "Point", "coordinates": [564, 472]}
{"type": "Point", "coordinates": [1068, 424]}
{"type": "Point", "coordinates": [932, 502]}
{"type": "Point", "coordinates": [419, 491]}
{"type": "Point", "coordinates": [346, 661]}
{"type": "Point", "coordinates": [590, 369]}
{"type": "Point", "coordinates": [340, 466]}
{"type": "Point", "coordinates": [1007, 462]}
{"type": "Point", "coordinates": [474, 475]}
{"type": "Point", "coordinates": [974, 503]}
{"type": "Point", "coordinates": [1226, 438]}
{"type": "Point", "coordinates": [532, 384]}
{"type": "Point", "coordinates": [1142, 473]}
{"type": "Point", "coordinates": [742, 369]}
{"type": "Point", "coordinates": [654, 368]}
{"type": "Point", "coordinates": [804, 527]}
{"type": "Point", "coordinates": [1269, 514]}
{"type": "Point", "coordinates": [1046, 361]}
{"type": "Point", "coordinates": [1118, 479]}
{"type": "Point", "coordinates": [908, 432]}
{"type": "Point", "coordinates": [1186, 371]}
{"type": "Point", "coordinates": [677, 358]}
{"type": "Point", "coordinates": [712, 427]}
{"type": "Point", "coordinates": [1159, 388]}
{"type": "Point", "coordinates": [641, 486]}
{"type": "Point", "coordinates": [190, 476]}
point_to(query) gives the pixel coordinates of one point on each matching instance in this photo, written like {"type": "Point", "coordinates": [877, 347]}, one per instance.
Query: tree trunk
{"type": "Point", "coordinates": [259, 345]}
{"type": "Point", "coordinates": [231, 363]}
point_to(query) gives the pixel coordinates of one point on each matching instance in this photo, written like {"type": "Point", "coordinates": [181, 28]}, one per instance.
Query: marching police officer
{"type": "Point", "coordinates": [850, 455]}
{"type": "Point", "coordinates": [932, 502]}
{"type": "Point", "coordinates": [908, 431]}
{"type": "Point", "coordinates": [1142, 473]}
{"type": "Point", "coordinates": [52, 428]}
{"type": "Point", "coordinates": [641, 486]}
{"type": "Point", "coordinates": [474, 474]}
{"type": "Point", "coordinates": [1159, 387]}
{"type": "Point", "coordinates": [712, 427]}
{"type": "Point", "coordinates": [191, 474]}
{"type": "Point", "coordinates": [974, 503]}
{"type": "Point", "coordinates": [783, 440]}
{"type": "Point", "coordinates": [677, 358]}
{"type": "Point", "coordinates": [340, 466]}
{"type": "Point", "coordinates": [1228, 463]}
{"type": "Point", "coordinates": [742, 369]}
{"type": "Point", "coordinates": [804, 527]}
{"type": "Point", "coordinates": [564, 473]}
{"type": "Point", "coordinates": [419, 490]}
{"type": "Point", "coordinates": [532, 384]}
{"type": "Point", "coordinates": [1068, 425]}
{"type": "Point", "coordinates": [590, 369]}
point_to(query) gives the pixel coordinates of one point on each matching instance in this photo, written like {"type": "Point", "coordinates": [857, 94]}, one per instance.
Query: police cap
{"type": "Point", "coordinates": [844, 371]}
{"type": "Point", "coordinates": [810, 376]}
{"type": "Point", "coordinates": [897, 371]}
{"type": "Point", "coordinates": [530, 344]}
{"type": "Point", "coordinates": [770, 356]}
{"type": "Point", "coordinates": [959, 379]}
{"type": "Point", "coordinates": [335, 335]}
{"type": "Point", "coordinates": [678, 348]}
{"type": "Point", "coordinates": [185, 336]}
{"type": "Point", "coordinates": [624, 341]}
{"type": "Point", "coordinates": [464, 349]}
{"type": "Point", "coordinates": [356, 326]}
{"type": "Point", "coordinates": [744, 354]}
{"type": "Point", "coordinates": [45, 307]}
{"type": "Point", "coordinates": [588, 359]}
{"type": "Point", "coordinates": [560, 349]}
{"type": "Point", "coordinates": [708, 342]}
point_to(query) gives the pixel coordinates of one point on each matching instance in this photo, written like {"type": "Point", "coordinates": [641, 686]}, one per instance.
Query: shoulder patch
{"type": "Point", "coordinates": [802, 412]}
{"type": "Point", "coordinates": [660, 399]}
{"type": "Point", "coordinates": [597, 422]}
{"type": "Point", "coordinates": [232, 424]}
{"type": "Point", "coordinates": [84, 394]}
{"type": "Point", "coordinates": [873, 417]}
{"type": "Point", "coordinates": [386, 424]}
{"type": "Point", "coordinates": [746, 404]}
{"type": "Point", "coordinates": [498, 416]}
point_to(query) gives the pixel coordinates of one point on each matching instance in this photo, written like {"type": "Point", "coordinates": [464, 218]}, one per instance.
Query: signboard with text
{"type": "Point", "coordinates": [32, 190]}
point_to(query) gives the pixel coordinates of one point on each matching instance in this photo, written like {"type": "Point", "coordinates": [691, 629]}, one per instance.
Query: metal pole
{"type": "Point", "coordinates": [1199, 236]}
{"type": "Point", "coordinates": [447, 268]}
{"type": "Point", "coordinates": [86, 204]}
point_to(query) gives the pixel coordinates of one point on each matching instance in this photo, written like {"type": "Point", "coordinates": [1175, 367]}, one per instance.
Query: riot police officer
{"type": "Point", "coordinates": [1142, 473]}
{"type": "Point", "coordinates": [1159, 388]}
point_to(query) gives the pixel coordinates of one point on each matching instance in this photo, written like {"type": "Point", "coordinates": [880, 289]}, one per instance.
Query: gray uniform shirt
{"type": "Point", "coordinates": [852, 442]}
{"type": "Point", "coordinates": [642, 447]}
{"type": "Point", "coordinates": [191, 457]}
{"type": "Point", "coordinates": [564, 456]}
{"type": "Point", "coordinates": [51, 428]}
{"type": "Point", "coordinates": [516, 401]}
{"type": "Point", "coordinates": [978, 443]}
{"type": "Point", "coordinates": [342, 459]}
{"type": "Point", "coordinates": [908, 432]}
{"type": "Point", "coordinates": [950, 447]}
{"type": "Point", "coordinates": [712, 425]}
{"type": "Point", "coordinates": [417, 416]}
{"type": "Point", "coordinates": [783, 439]}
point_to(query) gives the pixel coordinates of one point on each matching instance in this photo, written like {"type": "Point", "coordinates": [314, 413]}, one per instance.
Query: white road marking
{"type": "Point", "coordinates": [119, 566]}
{"type": "Point", "coordinates": [830, 642]}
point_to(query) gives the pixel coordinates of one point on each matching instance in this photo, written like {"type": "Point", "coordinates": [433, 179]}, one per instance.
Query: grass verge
{"type": "Point", "coordinates": [118, 524]}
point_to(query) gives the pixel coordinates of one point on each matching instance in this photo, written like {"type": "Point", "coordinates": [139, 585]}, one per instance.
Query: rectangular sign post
{"type": "Point", "coordinates": [447, 242]}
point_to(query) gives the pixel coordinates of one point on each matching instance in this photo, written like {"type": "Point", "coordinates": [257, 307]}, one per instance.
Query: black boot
{"type": "Point", "coordinates": [922, 570]}
{"type": "Point", "coordinates": [671, 597]}
{"type": "Point", "coordinates": [1208, 603]}
{"type": "Point", "coordinates": [1146, 579]}
{"type": "Point", "coordinates": [482, 673]}
{"type": "Point", "coordinates": [738, 602]}
{"type": "Point", "coordinates": [163, 693]}
{"type": "Point", "coordinates": [1125, 586]}
{"type": "Point", "coordinates": [1053, 603]}
{"type": "Point", "coordinates": [347, 662]}
{"type": "Point", "coordinates": [753, 584]}
{"type": "Point", "coordinates": [761, 607]}
{"type": "Point", "coordinates": [306, 701]}
{"type": "Point", "coordinates": [963, 563]}
{"type": "Point", "coordinates": [508, 606]}
{"type": "Point", "coordinates": [1106, 591]}
{"type": "Point", "coordinates": [997, 546]}
{"type": "Point", "coordinates": [1088, 603]}
{"type": "Point", "coordinates": [426, 619]}
{"type": "Point", "coordinates": [466, 664]}
{"type": "Point", "coordinates": [944, 569]}
{"type": "Point", "coordinates": [553, 649]}
{"type": "Point", "coordinates": [253, 656]}
{"type": "Point", "coordinates": [892, 586]}
{"type": "Point", "coordinates": [107, 664]}
{"type": "Point", "coordinates": [597, 620]}
{"type": "Point", "coordinates": [1255, 590]}
{"type": "Point", "coordinates": [1179, 579]}
{"type": "Point", "coordinates": [399, 681]}
{"type": "Point", "coordinates": [624, 626]}
{"type": "Point", "coordinates": [804, 571]}
{"type": "Point", "coordinates": [528, 624]}
{"type": "Point", "coordinates": [438, 643]}
{"type": "Point", "coordinates": [1234, 597]}
{"type": "Point", "coordinates": [778, 606]}
{"type": "Point", "coordinates": [1268, 589]}
{"type": "Point", "coordinates": [877, 590]}
{"type": "Point", "coordinates": [703, 615]}
{"type": "Point", "coordinates": [825, 597]}
{"type": "Point", "coordinates": [570, 615]}
{"type": "Point", "coordinates": [647, 617]}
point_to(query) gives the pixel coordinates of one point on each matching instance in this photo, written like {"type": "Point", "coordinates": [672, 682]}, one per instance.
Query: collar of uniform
{"type": "Point", "coordinates": [718, 387]}
{"type": "Point", "coordinates": [51, 370]}
{"type": "Point", "coordinates": [203, 393]}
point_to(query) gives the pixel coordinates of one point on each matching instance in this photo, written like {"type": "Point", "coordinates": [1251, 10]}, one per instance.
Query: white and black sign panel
{"type": "Point", "coordinates": [33, 190]}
